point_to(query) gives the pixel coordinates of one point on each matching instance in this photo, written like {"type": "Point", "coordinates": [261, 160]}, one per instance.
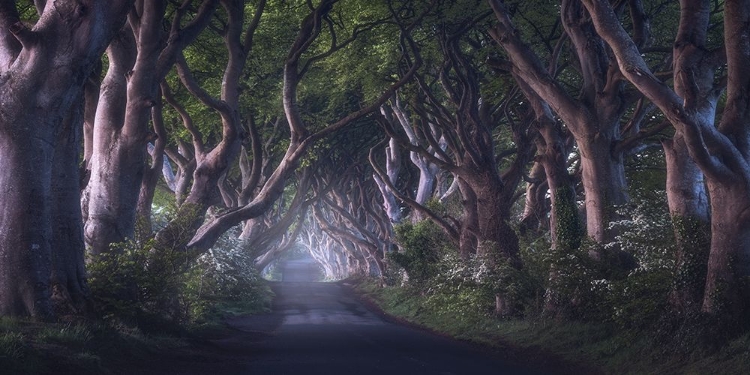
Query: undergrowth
{"type": "Point", "coordinates": [147, 301]}
{"type": "Point", "coordinates": [610, 315]}
{"type": "Point", "coordinates": [595, 346]}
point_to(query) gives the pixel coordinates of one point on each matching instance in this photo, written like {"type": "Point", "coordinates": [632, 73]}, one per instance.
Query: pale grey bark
{"type": "Point", "coordinates": [720, 150]}
{"type": "Point", "coordinates": [392, 168]}
{"type": "Point", "coordinates": [138, 62]}
{"type": "Point", "coordinates": [594, 119]}
{"type": "Point", "coordinates": [36, 73]}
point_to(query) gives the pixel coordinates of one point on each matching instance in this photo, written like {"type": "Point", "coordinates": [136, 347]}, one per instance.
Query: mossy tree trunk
{"type": "Point", "coordinates": [719, 149]}
{"type": "Point", "coordinates": [688, 206]}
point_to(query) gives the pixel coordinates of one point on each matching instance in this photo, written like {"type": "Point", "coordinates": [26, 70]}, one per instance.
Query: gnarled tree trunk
{"type": "Point", "coordinates": [720, 151]}
{"type": "Point", "coordinates": [44, 69]}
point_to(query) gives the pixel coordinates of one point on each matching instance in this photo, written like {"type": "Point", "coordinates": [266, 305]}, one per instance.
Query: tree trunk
{"type": "Point", "coordinates": [729, 261]}
{"type": "Point", "coordinates": [25, 254]}
{"type": "Point", "coordinates": [496, 241]}
{"type": "Point", "coordinates": [604, 187]}
{"type": "Point", "coordinates": [117, 160]}
{"type": "Point", "coordinates": [393, 166]}
{"type": "Point", "coordinates": [70, 293]}
{"type": "Point", "coordinates": [535, 208]}
{"type": "Point", "coordinates": [43, 72]}
{"type": "Point", "coordinates": [139, 61]}
{"type": "Point", "coordinates": [492, 213]}
{"type": "Point", "coordinates": [688, 206]}
{"type": "Point", "coordinates": [566, 230]}
{"type": "Point", "coordinates": [686, 189]}
{"type": "Point", "coordinates": [468, 241]}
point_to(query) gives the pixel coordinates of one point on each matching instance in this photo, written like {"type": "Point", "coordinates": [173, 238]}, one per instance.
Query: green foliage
{"type": "Point", "coordinates": [466, 288]}
{"type": "Point", "coordinates": [136, 279]}
{"type": "Point", "coordinates": [646, 232]}
{"type": "Point", "coordinates": [133, 278]}
{"type": "Point", "coordinates": [575, 283]}
{"type": "Point", "coordinates": [12, 345]}
{"type": "Point", "coordinates": [453, 286]}
{"type": "Point", "coordinates": [226, 275]}
{"type": "Point", "coordinates": [66, 334]}
{"type": "Point", "coordinates": [420, 248]}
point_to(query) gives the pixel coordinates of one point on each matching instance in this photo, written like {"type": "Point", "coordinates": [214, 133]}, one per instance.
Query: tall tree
{"type": "Point", "coordinates": [139, 59]}
{"type": "Point", "coordinates": [453, 105]}
{"type": "Point", "coordinates": [720, 147]}
{"type": "Point", "coordinates": [299, 61]}
{"type": "Point", "coordinates": [212, 164]}
{"type": "Point", "coordinates": [44, 66]}
{"type": "Point", "coordinates": [593, 118]}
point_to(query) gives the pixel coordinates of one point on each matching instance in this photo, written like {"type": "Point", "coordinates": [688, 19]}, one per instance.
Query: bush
{"type": "Point", "coordinates": [133, 278]}
{"type": "Point", "coordinates": [226, 274]}
{"type": "Point", "coordinates": [136, 279]}
{"type": "Point", "coordinates": [646, 232]}
{"type": "Point", "coordinates": [459, 289]}
{"type": "Point", "coordinates": [420, 247]}
{"type": "Point", "coordinates": [453, 285]}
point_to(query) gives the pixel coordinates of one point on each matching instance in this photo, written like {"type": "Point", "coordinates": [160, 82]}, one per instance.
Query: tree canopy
{"type": "Point", "coordinates": [386, 138]}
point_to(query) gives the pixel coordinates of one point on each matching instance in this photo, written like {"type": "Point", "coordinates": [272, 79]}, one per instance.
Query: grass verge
{"type": "Point", "coordinates": [567, 347]}
{"type": "Point", "coordinates": [107, 347]}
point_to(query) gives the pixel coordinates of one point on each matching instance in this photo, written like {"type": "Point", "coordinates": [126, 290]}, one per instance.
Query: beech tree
{"type": "Point", "coordinates": [457, 124]}
{"type": "Point", "coordinates": [297, 64]}
{"type": "Point", "coordinates": [139, 59]}
{"type": "Point", "coordinates": [594, 118]}
{"type": "Point", "coordinates": [212, 163]}
{"type": "Point", "coordinates": [718, 146]}
{"type": "Point", "coordinates": [44, 65]}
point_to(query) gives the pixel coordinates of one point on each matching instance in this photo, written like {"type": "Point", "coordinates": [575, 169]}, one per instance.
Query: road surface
{"type": "Point", "coordinates": [321, 328]}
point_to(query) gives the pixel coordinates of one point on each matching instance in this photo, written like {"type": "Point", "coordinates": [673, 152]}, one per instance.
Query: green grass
{"type": "Point", "coordinates": [600, 346]}
{"type": "Point", "coordinates": [11, 345]}
{"type": "Point", "coordinates": [97, 347]}
{"type": "Point", "coordinates": [66, 334]}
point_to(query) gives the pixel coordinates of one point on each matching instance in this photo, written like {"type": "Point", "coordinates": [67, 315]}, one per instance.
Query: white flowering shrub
{"type": "Point", "coordinates": [226, 274]}
{"type": "Point", "coordinates": [135, 280]}
{"type": "Point", "coordinates": [461, 287]}
{"type": "Point", "coordinates": [645, 232]}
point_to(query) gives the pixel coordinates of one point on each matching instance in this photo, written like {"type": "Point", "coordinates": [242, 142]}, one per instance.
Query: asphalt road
{"type": "Point", "coordinates": [321, 328]}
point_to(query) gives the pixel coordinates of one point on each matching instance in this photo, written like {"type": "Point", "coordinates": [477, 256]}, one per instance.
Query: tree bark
{"type": "Point", "coordinates": [117, 161]}
{"type": "Point", "coordinates": [689, 208]}
{"type": "Point", "coordinates": [686, 191]}
{"type": "Point", "coordinates": [535, 208]}
{"type": "Point", "coordinates": [25, 253]}
{"type": "Point", "coordinates": [392, 166]}
{"type": "Point", "coordinates": [44, 70]}
{"type": "Point", "coordinates": [70, 292]}
{"type": "Point", "coordinates": [139, 61]}
{"type": "Point", "coordinates": [719, 151]}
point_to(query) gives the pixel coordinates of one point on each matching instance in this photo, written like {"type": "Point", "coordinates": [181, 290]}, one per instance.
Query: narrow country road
{"type": "Point", "coordinates": [320, 328]}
